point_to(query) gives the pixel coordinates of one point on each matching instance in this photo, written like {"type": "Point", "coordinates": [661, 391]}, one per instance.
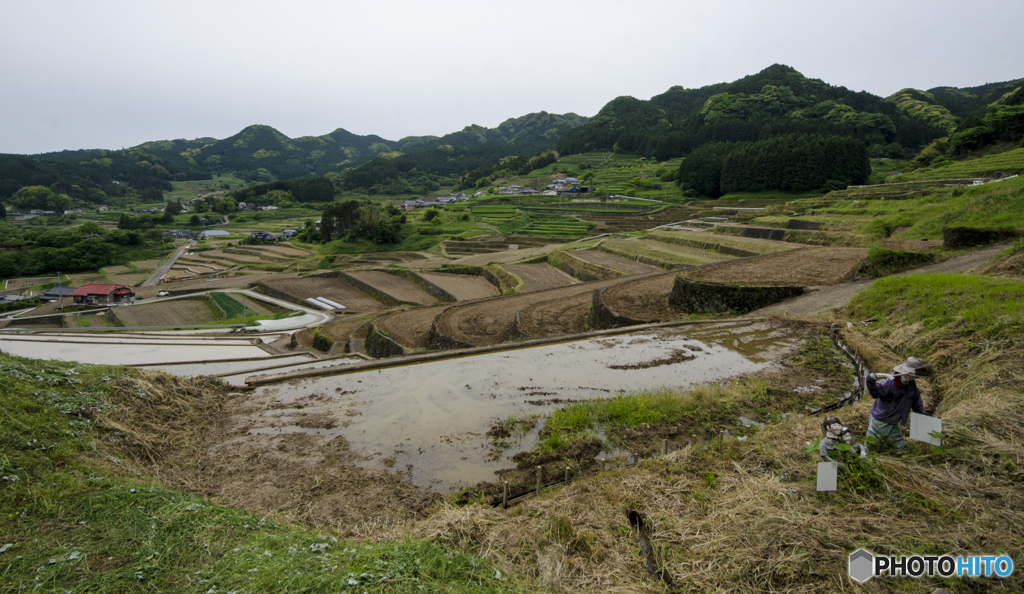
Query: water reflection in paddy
{"type": "Point", "coordinates": [431, 419]}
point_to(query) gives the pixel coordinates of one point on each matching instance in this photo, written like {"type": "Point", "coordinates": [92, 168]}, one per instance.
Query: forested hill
{"type": "Point", "coordinates": [261, 153]}
{"type": "Point", "coordinates": [774, 102]}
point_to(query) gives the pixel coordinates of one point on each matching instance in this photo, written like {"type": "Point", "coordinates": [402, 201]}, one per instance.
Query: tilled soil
{"type": "Point", "coordinates": [819, 266]}
{"type": "Point", "coordinates": [395, 286]}
{"type": "Point", "coordinates": [461, 286]}
{"type": "Point", "coordinates": [614, 262]}
{"type": "Point", "coordinates": [537, 277]}
{"type": "Point", "coordinates": [644, 299]}
{"type": "Point", "coordinates": [178, 312]}
{"type": "Point", "coordinates": [490, 322]}
{"type": "Point", "coordinates": [411, 329]}
{"type": "Point", "coordinates": [557, 317]}
{"type": "Point", "coordinates": [329, 288]}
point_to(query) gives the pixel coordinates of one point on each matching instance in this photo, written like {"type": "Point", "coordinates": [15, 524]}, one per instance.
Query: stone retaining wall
{"type": "Point", "coordinates": [429, 287]}
{"type": "Point", "coordinates": [580, 268]}
{"type": "Point", "coordinates": [441, 342]}
{"type": "Point", "coordinates": [602, 317]}
{"type": "Point", "coordinates": [377, 294]}
{"type": "Point", "coordinates": [961, 237]}
{"type": "Point", "coordinates": [692, 296]}
{"type": "Point", "coordinates": [379, 345]}
{"type": "Point", "coordinates": [642, 258]}
{"type": "Point", "coordinates": [704, 245]}
{"type": "Point", "coordinates": [506, 282]}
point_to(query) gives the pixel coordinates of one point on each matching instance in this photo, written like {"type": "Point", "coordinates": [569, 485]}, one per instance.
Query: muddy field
{"type": "Point", "coordinates": [461, 286]}
{"type": "Point", "coordinates": [300, 474]}
{"type": "Point", "coordinates": [809, 267]}
{"type": "Point", "coordinates": [644, 299]}
{"type": "Point", "coordinates": [558, 317]}
{"type": "Point", "coordinates": [614, 262]}
{"type": "Point", "coordinates": [411, 328]}
{"type": "Point", "coordinates": [179, 312]}
{"type": "Point", "coordinates": [491, 322]}
{"type": "Point", "coordinates": [395, 286]}
{"type": "Point", "coordinates": [538, 277]}
{"type": "Point", "coordinates": [330, 288]}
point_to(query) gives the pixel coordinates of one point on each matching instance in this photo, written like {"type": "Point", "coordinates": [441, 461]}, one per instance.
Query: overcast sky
{"type": "Point", "coordinates": [108, 74]}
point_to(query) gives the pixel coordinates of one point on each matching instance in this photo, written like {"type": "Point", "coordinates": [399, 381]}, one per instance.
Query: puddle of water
{"type": "Point", "coordinates": [432, 418]}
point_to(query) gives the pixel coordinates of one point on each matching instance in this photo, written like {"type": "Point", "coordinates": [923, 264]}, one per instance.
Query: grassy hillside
{"type": "Point", "coordinates": [83, 511]}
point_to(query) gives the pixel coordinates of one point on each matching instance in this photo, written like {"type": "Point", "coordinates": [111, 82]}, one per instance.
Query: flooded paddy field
{"type": "Point", "coordinates": [428, 423]}
{"type": "Point", "coordinates": [134, 349]}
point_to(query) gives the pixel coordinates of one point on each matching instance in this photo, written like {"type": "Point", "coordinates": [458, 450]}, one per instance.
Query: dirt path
{"type": "Point", "coordinates": [828, 298]}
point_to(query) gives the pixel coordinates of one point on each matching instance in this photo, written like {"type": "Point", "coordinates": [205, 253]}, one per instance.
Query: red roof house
{"type": "Point", "coordinates": [104, 295]}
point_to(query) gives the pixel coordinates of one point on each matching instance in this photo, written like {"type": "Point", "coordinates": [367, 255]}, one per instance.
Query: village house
{"type": "Point", "coordinates": [411, 205]}
{"type": "Point", "coordinates": [179, 233]}
{"type": "Point", "coordinates": [513, 189]}
{"type": "Point", "coordinates": [262, 237]}
{"type": "Point", "coordinates": [56, 293]}
{"type": "Point", "coordinates": [288, 233]}
{"type": "Point", "coordinates": [99, 295]}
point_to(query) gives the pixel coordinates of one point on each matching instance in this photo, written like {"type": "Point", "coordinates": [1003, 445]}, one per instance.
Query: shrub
{"type": "Point", "coordinates": [322, 342]}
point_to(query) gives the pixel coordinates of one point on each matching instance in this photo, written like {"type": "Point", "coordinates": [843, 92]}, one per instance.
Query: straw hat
{"type": "Point", "coordinates": [914, 367]}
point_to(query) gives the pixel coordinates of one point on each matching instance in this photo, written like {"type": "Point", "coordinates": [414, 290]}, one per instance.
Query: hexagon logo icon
{"type": "Point", "coordinates": [861, 565]}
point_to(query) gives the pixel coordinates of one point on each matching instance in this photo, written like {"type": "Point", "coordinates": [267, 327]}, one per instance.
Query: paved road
{"type": "Point", "coordinates": [160, 272]}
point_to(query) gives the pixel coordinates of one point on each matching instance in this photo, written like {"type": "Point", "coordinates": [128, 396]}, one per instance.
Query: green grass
{"type": "Point", "coordinates": [1009, 162]}
{"type": "Point", "coordinates": [232, 308]}
{"type": "Point", "coordinates": [82, 515]}
{"type": "Point", "coordinates": [924, 215]}
{"type": "Point", "coordinates": [963, 306]}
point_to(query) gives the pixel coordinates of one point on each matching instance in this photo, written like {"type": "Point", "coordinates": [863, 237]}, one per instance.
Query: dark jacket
{"type": "Point", "coordinates": [893, 403]}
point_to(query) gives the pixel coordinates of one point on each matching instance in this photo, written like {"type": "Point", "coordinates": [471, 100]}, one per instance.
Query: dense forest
{"type": "Point", "coordinates": [87, 247]}
{"type": "Point", "coordinates": [777, 101]}
{"type": "Point", "coordinates": [794, 163]}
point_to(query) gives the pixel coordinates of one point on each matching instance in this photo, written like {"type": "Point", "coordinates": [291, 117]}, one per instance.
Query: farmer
{"type": "Point", "coordinates": [895, 397]}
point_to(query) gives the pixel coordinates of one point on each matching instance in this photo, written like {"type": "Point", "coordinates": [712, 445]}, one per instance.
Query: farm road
{"type": "Point", "coordinates": [162, 270]}
{"type": "Point", "coordinates": [827, 298]}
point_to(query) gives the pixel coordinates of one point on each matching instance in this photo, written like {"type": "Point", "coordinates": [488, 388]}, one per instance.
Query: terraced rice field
{"type": "Point", "coordinates": [462, 287]}
{"type": "Point", "coordinates": [614, 262]}
{"type": "Point", "coordinates": [698, 239]}
{"type": "Point", "coordinates": [537, 277]}
{"type": "Point", "coordinates": [410, 328]}
{"type": "Point", "coordinates": [178, 312]}
{"type": "Point", "coordinates": [148, 263]}
{"type": "Point", "coordinates": [330, 288]}
{"type": "Point", "coordinates": [821, 266]}
{"type": "Point", "coordinates": [394, 286]}
{"type": "Point", "coordinates": [644, 299]}
{"type": "Point", "coordinates": [557, 317]}
{"type": "Point", "coordinates": [491, 322]}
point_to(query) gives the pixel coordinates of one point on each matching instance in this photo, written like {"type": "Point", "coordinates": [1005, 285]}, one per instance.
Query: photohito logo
{"type": "Point", "coordinates": [863, 566]}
